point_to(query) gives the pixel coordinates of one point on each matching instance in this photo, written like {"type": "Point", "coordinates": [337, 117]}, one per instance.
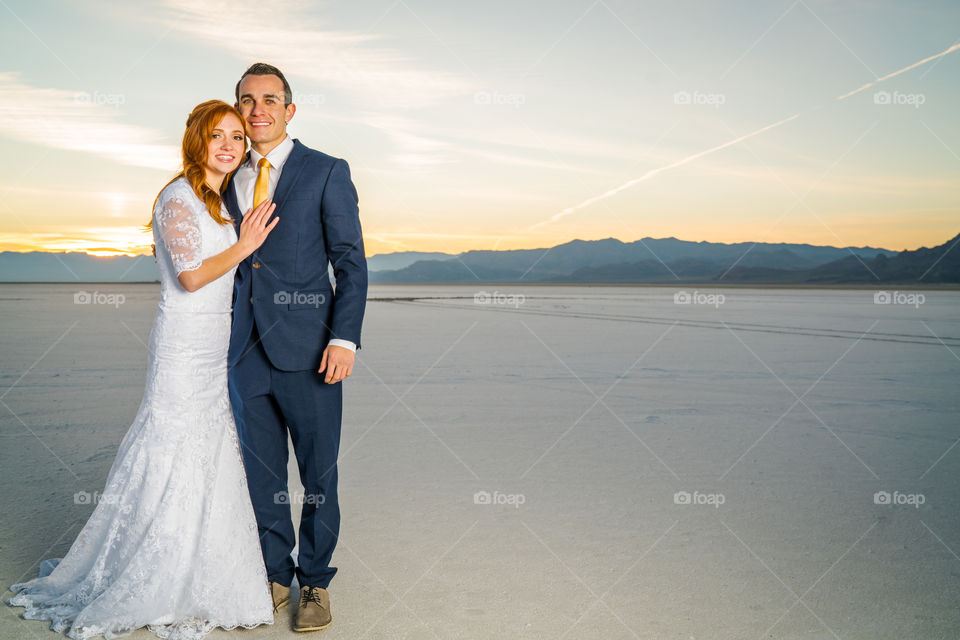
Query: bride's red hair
{"type": "Point", "coordinates": [200, 125]}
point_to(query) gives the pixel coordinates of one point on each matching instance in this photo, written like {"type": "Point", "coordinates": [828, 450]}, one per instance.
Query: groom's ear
{"type": "Point", "coordinates": [290, 110]}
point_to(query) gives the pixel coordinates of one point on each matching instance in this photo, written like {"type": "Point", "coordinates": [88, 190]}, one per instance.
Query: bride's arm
{"type": "Point", "coordinates": [254, 229]}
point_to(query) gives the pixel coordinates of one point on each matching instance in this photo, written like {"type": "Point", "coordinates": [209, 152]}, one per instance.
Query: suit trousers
{"type": "Point", "coordinates": [267, 402]}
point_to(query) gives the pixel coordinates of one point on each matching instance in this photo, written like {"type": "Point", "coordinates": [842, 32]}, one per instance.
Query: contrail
{"type": "Point", "coordinates": [896, 73]}
{"type": "Point", "coordinates": [700, 154]}
{"type": "Point", "coordinates": [653, 172]}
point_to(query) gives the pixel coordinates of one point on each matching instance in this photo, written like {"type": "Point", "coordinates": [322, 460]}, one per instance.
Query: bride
{"type": "Point", "coordinates": [172, 544]}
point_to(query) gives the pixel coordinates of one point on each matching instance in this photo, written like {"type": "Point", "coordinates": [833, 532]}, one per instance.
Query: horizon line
{"type": "Point", "coordinates": [541, 248]}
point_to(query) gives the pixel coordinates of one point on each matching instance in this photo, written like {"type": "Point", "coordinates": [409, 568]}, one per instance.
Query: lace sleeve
{"type": "Point", "coordinates": [179, 229]}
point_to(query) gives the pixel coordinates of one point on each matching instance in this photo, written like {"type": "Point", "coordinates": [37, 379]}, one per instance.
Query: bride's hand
{"type": "Point", "coordinates": [254, 228]}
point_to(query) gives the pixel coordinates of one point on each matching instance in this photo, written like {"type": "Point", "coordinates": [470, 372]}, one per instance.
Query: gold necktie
{"type": "Point", "coordinates": [262, 187]}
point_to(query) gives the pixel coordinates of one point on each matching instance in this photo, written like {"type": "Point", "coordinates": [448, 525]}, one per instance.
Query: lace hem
{"type": "Point", "coordinates": [185, 629]}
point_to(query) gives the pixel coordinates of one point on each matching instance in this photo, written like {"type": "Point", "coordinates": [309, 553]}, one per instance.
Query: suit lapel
{"type": "Point", "coordinates": [291, 171]}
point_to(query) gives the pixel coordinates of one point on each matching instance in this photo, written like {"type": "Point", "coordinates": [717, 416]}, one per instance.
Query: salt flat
{"type": "Point", "coordinates": [568, 462]}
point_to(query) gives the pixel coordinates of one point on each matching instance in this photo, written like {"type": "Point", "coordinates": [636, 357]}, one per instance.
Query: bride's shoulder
{"type": "Point", "coordinates": [177, 190]}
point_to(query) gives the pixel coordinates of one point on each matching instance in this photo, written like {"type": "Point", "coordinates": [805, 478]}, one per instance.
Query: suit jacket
{"type": "Point", "coordinates": [284, 286]}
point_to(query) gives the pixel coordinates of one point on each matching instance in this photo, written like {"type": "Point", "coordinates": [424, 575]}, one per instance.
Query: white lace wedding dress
{"type": "Point", "coordinates": [172, 543]}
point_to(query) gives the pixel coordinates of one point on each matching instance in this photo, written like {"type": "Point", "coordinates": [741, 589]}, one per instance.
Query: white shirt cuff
{"type": "Point", "coordinates": [346, 344]}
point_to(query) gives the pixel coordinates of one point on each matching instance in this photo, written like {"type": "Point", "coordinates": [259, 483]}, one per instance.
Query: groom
{"type": "Point", "coordinates": [293, 338]}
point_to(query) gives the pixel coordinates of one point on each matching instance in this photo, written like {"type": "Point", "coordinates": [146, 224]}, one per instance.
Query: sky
{"type": "Point", "coordinates": [504, 125]}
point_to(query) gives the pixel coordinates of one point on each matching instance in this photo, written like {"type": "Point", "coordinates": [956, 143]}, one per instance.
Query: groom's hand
{"type": "Point", "coordinates": [337, 362]}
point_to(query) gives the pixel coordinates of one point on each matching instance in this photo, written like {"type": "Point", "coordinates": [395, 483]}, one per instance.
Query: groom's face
{"type": "Point", "coordinates": [262, 106]}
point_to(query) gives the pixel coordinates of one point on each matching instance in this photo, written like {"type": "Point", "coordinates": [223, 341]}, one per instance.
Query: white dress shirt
{"type": "Point", "coordinates": [245, 180]}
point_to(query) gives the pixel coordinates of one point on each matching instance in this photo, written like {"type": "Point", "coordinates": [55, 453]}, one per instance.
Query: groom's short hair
{"type": "Point", "coordinates": [264, 69]}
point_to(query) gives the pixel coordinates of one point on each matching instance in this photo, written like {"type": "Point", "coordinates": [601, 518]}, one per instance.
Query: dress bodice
{"type": "Point", "coordinates": [185, 235]}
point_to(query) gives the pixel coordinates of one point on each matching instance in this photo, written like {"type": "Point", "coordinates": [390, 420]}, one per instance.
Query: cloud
{"type": "Point", "coordinates": [513, 159]}
{"type": "Point", "coordinates": [78, 121]}
{"type": "Point", "coordinates": [281, 34]}
{"type": "Point", "coordinates": [384, 80]}
{"type": "Point", "coordinates": [421, 144]}
{"type": "Point", "coordinates": [354, 67]}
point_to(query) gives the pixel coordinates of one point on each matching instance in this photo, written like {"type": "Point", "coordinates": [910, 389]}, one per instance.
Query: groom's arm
{"type": "Point", "coordinates": [343, 236]}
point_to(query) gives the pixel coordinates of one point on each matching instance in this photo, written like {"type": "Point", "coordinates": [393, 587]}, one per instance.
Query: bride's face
{"type": "Point", "coordinates": [226, 146]}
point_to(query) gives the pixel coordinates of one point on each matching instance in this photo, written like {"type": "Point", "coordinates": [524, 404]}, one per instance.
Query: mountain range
{"type": "Point", "coordinates": [644, 261]}
{"type": "Point", "coordinates": [668, 260]}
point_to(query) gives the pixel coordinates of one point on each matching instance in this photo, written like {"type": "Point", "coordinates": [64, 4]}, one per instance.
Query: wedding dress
{"type": "Point", "coordinates": [172, 543]}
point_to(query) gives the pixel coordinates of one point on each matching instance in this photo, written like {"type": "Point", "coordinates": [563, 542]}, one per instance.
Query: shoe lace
{"type": "Point", "coordinates": [311, 594]}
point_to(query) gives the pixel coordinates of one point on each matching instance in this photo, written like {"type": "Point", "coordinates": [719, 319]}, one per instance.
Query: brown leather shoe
{"type": "Point", "coordinates": [314, 611]}
{"type": "Point", "coordinates": [280, 595]}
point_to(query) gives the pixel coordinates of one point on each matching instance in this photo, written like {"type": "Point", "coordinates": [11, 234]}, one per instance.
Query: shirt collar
{"type": "Point", "coordinates": [277, 156]}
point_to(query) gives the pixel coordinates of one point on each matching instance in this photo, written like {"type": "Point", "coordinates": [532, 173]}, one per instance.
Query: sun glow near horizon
{"type": "Point", "coordinates": [127, 241]}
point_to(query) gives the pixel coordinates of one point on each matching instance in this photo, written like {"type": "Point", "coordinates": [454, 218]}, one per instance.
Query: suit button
{"type": "Point", "coordinates": [256, 265]}
{"type": "Point", "coordinates": [251, 299]}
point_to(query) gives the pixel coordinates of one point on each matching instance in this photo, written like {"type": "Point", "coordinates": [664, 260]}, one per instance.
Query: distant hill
{"type": "Point", "coordinates": [37, 266]}
{"type": "Point", "coordinates": [939, 265]}
{"type": "Point", "coordinates": [645, 261]}
{"type": "Point", "coordinates": [401, 259]}
{"type": "Point", "coordinates": [649, 260]}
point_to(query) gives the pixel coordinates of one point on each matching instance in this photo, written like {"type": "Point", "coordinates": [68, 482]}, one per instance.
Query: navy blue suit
{"type": "Point", "coordinates": [285, 311]}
